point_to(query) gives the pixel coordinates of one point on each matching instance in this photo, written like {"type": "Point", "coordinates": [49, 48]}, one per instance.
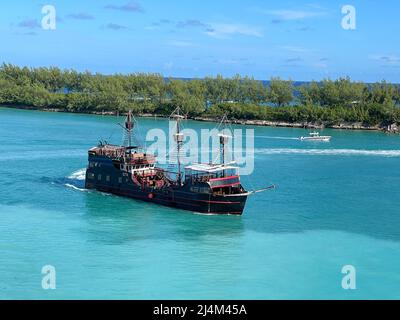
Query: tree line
{"type": "Point", "coordinates": [328, 101]}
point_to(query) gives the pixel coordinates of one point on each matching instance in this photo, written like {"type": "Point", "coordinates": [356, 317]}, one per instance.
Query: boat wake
{"type": "Point", "coordinates": [78, 175]}
{"type": "Point", "coordinates": [329, 152]}
{"type": "Point", "coordinates": [75, 180]}
{"type": "Point", "coordinates": [75, 187]}
{"type": "Point", "coordinates": [277, 138]}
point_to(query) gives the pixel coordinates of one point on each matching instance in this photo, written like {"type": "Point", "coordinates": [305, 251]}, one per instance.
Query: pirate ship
{"type": "Point", "coordinates": [131, 172]}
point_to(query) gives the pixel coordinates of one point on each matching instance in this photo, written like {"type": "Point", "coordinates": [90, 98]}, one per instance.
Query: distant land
{"type": "Point", "coordinates": [340, 103]}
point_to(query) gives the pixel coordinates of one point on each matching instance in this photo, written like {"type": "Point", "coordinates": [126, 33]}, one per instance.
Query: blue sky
{"type": "Point", "coordinates": [301, 40]}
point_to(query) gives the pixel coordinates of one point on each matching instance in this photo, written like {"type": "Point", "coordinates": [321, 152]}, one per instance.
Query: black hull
{"type": "Point", "coordinates": [116, 182]}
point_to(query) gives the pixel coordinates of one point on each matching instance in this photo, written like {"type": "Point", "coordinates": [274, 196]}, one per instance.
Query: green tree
{"type": "Point", "coordinates": [281, 92]}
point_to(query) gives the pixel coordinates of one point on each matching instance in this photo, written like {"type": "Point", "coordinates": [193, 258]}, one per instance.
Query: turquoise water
{"type": "Point", "coordinates": [336, 204]}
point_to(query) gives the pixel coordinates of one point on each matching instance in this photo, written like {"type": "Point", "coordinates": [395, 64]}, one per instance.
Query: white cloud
{"type": "Point", "coordinates": [180, 43]}
{"type": "Point", "coordinates": [221, 30]}
{"type": "Point", "coordinates": [295, 49]}
{"type": "Point", "coordinates": [294, 14]}
{"type": "Point", "coordinates": [226, 61]}
{"type": "Point", "coordinates": [315, 6]}
{"type": "Point", "coordinates": [389, 59]}
{"type": "Point", "coordinates": [320, 65]}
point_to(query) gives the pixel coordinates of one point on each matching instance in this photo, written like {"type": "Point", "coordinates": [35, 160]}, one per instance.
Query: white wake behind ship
{"type": "Point", "coordinates": [315, 136]}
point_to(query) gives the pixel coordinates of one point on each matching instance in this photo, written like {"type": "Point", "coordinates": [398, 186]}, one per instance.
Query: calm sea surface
{"type": "Point", "coordinates": [336, 204]}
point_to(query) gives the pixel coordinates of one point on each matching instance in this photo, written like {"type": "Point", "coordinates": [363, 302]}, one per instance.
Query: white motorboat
{"type": "Point", "coordinates": [315, 136]}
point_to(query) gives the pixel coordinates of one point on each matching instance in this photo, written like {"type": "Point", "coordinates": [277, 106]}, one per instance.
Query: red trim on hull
{"type": "Point", "coordinates": [225, 178]}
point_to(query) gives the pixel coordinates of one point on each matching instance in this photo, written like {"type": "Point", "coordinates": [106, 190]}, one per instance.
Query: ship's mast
{"type": "Point", "coordinates": [179, 137]}
{"type": "Point", "coordinates": [129, 127]}
{"type": "Point", "coordinates": [223, 138]}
